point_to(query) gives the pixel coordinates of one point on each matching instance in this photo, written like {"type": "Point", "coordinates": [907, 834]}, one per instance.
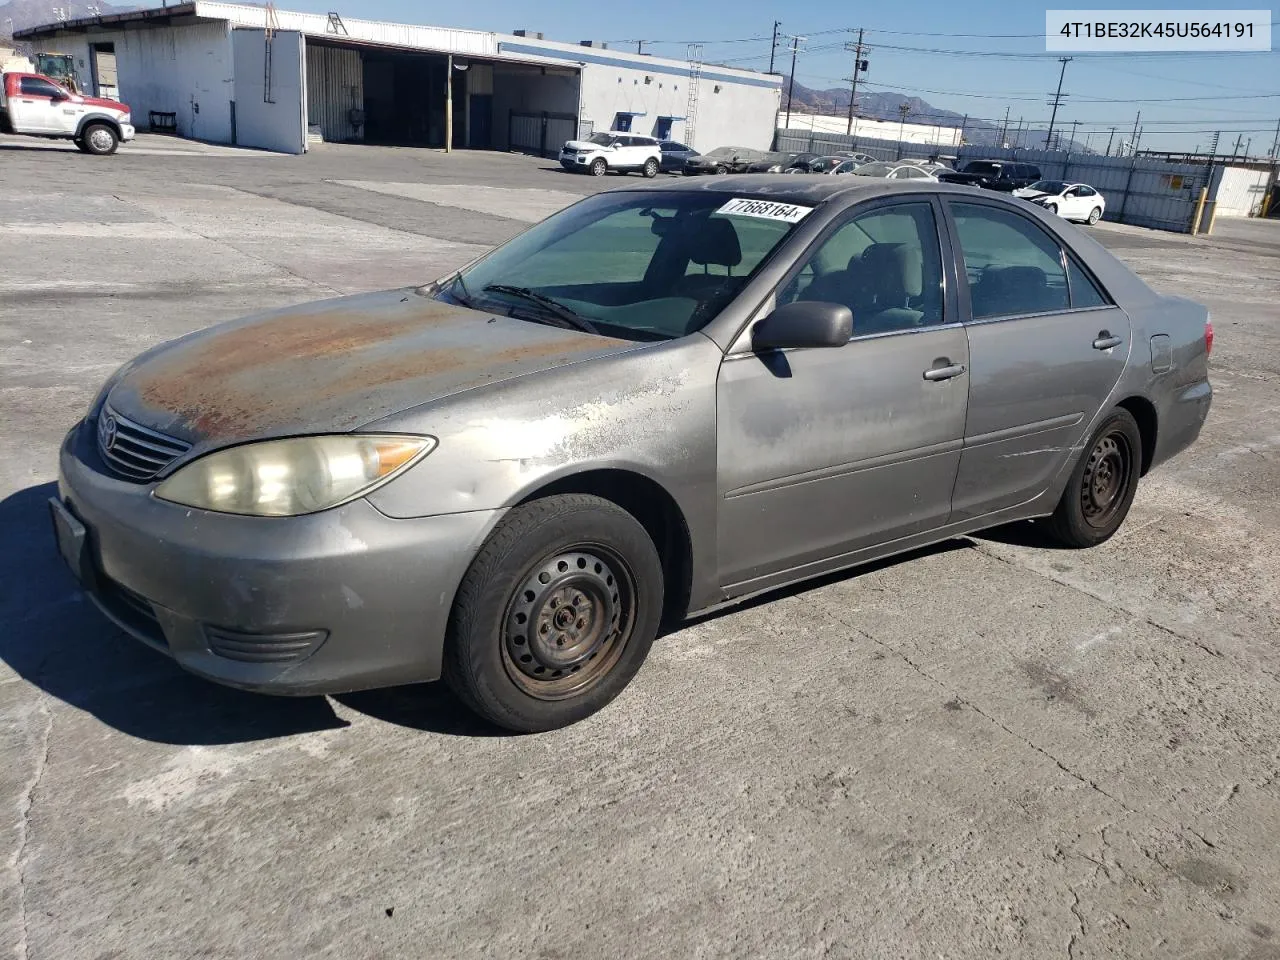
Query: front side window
{"type": "Point", "coordinates": [883, 265]}
{"type": "Point", "coordinates": [35, 87]}
{"type": "Point", "coordinates": [645, 265]}
{"type": "Point", "coordinates": [1013, 266]}
{"type": "Point", "coordinates": [600, 139]}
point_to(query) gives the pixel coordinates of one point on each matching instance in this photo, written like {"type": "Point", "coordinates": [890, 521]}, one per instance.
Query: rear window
{"type": "Point", "coordinates": [983, 168]}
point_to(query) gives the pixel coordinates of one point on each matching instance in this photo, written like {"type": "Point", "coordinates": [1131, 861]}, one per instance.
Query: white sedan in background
{"type": "Point", "coordinates": [1071, 201]}
{"type": "Point", "coordinates": [890, 170]}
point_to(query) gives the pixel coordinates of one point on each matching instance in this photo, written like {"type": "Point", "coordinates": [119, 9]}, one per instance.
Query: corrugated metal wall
{"type": "Point", "coordinates": [335, 86]}
{"type": "Point", "coordinates": [1240, 191]}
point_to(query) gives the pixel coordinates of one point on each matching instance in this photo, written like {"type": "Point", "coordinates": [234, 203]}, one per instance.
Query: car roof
{"type": "Point", "coordinates": [810, 191]}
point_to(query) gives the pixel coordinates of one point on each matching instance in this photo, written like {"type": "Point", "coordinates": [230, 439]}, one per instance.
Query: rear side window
{"type": "Point", "coordinates": [1084, 292]}
{"type": "Point", "coordinates": [1014, 267]}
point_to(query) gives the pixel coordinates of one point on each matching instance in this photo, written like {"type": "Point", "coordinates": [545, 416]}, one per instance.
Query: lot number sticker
{"type": "Point", "coordinates": [765, 210]}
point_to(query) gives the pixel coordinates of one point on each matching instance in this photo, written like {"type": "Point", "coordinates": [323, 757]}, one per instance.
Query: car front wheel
{"type": "Point", "coordinates": [598, 167]}
{"type": "Point", "coordinates": [99, 140]}
{"type": "Point", "coordinates": [1102, 485]}
{"type": "Point", "coordinates": [556, 613]}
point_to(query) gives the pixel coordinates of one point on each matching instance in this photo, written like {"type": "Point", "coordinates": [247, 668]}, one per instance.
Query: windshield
{"type": "Point", "coordinates": [721, 152]}
{"type": "Point", "coordinates": [603, 139]}
{"type": "Point", "coordinates": [983, 168]}
{"type": "Point", "coordinates": [647, 265]}
{"type": "Point", "coordinates": [875, 169]}
{"type": "Point", "coordinates": [1048, 186]}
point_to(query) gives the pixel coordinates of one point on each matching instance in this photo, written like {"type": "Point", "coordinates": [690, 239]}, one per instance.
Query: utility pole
{"type": "Point", "coordinates": [640, 46]}
{"type": "Point", "coordinates": [1071, 142]}
{"type": "Point", "coordinates": [963, 123]}
{"type": "Point", "coordinates": [1134, 139]}
{"type": "Point", "coordinates": [1057, 99]}
{"type": "Point", "coordinates": [1236, 149]}
{"type": "Point", "coordinates": [859, 66]}
{"type": "Point", "coordinates": [1017, 137]}
{"type": "Point", "coordinates": [774, 48]}
{"type": "Point", "coordinates": [1109, 139]}
{"type": "Point", "coordinates": [903, 108]}
{"type": "Point", "coordinates": [1247, 147]}
{"type": "Point", "coordinates": [795, 49]}
{"type": "Point", "coordinates": [1004, 129]}
{"type": "Point", "coordinates": [1275, 144]}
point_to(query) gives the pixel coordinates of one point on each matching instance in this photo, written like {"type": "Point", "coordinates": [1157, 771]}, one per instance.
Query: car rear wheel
{"type": "Point", "coordinates": [100, 140]}
{"type": "Point", "coordinates": [721, 170]}
{"type": "Point", "coordinates": [598, 167]}
{"type": "Point", "coordinates": [556, 613]}
{"type": "Point", "coordinates": [1095, 215]}
{"type": "Point", "coordinates": [1102, 485]}
{"type": "Point", "coordinates": [650, 168]}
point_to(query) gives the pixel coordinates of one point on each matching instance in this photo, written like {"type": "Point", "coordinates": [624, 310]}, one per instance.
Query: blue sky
{"type": "Point", "coordinates": [1184, 97]}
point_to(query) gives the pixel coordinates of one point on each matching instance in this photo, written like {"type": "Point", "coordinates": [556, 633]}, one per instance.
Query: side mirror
{"type": "Point", "coordinates": [804, 323]}
{"type": "Point", "coordinates": [60, 95]}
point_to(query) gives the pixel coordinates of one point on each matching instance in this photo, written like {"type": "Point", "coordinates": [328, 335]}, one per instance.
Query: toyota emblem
{"type": "Point", "coordinates": [109, 430]}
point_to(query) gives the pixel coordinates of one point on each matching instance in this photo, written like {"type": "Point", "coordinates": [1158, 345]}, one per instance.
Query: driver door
{"type": "Point", "coordinates": [35, 107]}
{"type": "Point", "coordinates": [824, 452]}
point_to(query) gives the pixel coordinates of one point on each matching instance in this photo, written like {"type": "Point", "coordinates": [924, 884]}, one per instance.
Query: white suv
{"type": "Point", "coordinates": [615, 150]}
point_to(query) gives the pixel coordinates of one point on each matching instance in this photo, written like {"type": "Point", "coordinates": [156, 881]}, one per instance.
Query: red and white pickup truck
{"type": "Point", "coordinates": [35, 105]}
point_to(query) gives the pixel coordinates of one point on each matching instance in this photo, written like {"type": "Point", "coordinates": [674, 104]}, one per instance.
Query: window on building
{"type": "Point", "coordinates": [622, 121]}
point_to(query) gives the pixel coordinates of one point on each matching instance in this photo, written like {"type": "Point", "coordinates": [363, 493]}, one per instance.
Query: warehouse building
{"type": "Point", "coordinates": [255, 76]}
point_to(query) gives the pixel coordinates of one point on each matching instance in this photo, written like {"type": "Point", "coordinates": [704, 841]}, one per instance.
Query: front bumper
{"type": "Point", "coordinates": [336, 601]}
{"type": "Point", "coordinates": [573, 161]}
{"type": "Point", "coordinates": [127, 132]}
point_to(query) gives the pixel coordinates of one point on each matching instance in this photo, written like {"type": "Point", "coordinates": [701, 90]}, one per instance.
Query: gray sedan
{"type": "Point", "coordinates": [657, 402]}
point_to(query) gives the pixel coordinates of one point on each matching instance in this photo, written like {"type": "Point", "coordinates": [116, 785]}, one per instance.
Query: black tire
{"type": "Point", "coordinates": [1052, 208]}
{"type": "Point", "coordinates": [515, 653]}
{"type": "Point", "coordinates": [651, 168]}
{"type": "Point", "coordinates": [599, 167]}
{"type": "Point", "coordinates": [80, 145]}
{"type": "Point", "coordinates": [99, 140]}
{"type": "Point", "coordinates": [721, 170]}
{"type": "Point", "coordinates": [1102, 486]}
{"type": "Point", "coordinates": [1095, 215]}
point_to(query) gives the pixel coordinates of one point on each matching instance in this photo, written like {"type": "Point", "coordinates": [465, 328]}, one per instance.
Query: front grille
{"type": "Point", "coordinates": [131, 609]}
{"type": "Point", "coordinates": [132, 450]}
{"type": "Point", "coordinates": [263, 647]}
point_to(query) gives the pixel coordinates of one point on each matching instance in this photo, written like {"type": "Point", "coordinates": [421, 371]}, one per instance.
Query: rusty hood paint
{"type": "Point", "coordinates": [336, 365]}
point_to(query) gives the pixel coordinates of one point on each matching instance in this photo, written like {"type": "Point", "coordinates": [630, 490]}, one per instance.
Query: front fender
{"type": "Point", "coordinates": [106, 118]}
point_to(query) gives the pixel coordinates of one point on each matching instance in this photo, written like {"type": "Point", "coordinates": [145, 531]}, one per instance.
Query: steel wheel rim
{"type": "Point", "coordinates": [569, 621]}
{"type": "Point", "coordinates": [100, 139]}
{"type": "Point", "coordinates": [1106, 479]}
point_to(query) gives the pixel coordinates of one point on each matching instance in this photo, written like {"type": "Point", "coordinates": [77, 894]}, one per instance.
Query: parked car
{"type": "Point", "coordinates": [35, 105]}
{"type": "Point", "coordinates": [854, 155]}
{"type": "Point", "coordinates": [615, 151]}
{"type": "Point", "coordinates": [1003, 175]}
{"type": "Point", "coordinates": [772, 162]}
{"type": "Point", "coordinates": [511, 476]}
{"type": "Point", "coordinates": [893, 170]}
{"type": "Point", "coordinates": [814, 164]}
{"type": "Point", "coordinates": [847, 166]}
{"type": "Point", "coordinates": [722, 160]}
{"type": "Point", "coordinates": [674, 155]}
{"type": "Point", "coordinates": [1071, 201]}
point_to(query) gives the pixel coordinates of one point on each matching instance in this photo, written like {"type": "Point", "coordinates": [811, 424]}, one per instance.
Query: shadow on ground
{"type": "Point", "coordinates": [52, 636]}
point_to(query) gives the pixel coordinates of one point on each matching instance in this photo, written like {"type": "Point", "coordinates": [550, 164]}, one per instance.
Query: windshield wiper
{"type": "Point", "coordinates": [557, 309]}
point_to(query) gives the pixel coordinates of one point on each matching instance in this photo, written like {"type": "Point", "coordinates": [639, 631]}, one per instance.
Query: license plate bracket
{"type": "Point", "coordinates": [73, 542]}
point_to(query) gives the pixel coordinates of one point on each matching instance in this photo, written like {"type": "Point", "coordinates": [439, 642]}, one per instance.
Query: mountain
{"type": "Point", "coordinates": [875, 105]}
{"type": "Point", "coordinates": [21, 14]}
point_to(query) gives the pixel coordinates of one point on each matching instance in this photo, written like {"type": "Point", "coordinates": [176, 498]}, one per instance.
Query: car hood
{"type": "Point", "coordinates": [335, 365]}
{"type": "Point", "coordinates": [583, 145]}
{"type": "Point", "coordinates": [104, 104]}
{"type": "Point", "coordinates": [1027, 193]}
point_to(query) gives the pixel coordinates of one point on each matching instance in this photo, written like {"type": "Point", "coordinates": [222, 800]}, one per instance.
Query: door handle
{"type": "Point", "coordinates": [944, 369]}
{"type": "Point", "coordinates": [1106, 341]}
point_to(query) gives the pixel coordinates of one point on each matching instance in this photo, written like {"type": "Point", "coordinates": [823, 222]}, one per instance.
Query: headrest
{"type": "Point", "coordinates": [894, 268]}
{"type": "Point", "coordinates": [716, 244]}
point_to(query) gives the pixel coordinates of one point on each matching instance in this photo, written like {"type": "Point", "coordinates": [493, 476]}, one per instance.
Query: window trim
{"type": "Point", "coordinates": [966, 302]}
{"type": "Point", "coordinates": [951, 316]}
{"type": "Point", "coordinates": [46, 94]}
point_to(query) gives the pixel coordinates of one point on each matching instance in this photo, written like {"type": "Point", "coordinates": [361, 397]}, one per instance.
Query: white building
{"type": "Point", "coordinates": [221, 72]}
{"type": "Point", "coordinates": [875, 129]}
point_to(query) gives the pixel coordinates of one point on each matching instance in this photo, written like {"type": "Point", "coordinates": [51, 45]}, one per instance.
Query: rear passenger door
{"type": "Point", "coordinates": [1046, 348]}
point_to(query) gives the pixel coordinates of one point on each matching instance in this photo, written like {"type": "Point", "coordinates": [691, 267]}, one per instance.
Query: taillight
{"type": "Point", "coordinates": [1208, 337]}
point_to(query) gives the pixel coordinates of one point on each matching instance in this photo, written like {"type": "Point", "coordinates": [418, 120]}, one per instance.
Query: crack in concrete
{"type": "Point", "coordinates": [1106, 602]}
{"type": "Point", "coordinates": [18, 863]}
{"type": "Point", "coordinates": [1075, 937]}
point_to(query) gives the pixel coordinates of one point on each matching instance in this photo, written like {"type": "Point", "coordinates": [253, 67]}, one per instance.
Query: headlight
{"type": "Point", "coordinates": [127, 118]}
{"type": "Point", "coordinates": [776, 168]}
{"type": "Point", "coordinates": [287, 478]}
